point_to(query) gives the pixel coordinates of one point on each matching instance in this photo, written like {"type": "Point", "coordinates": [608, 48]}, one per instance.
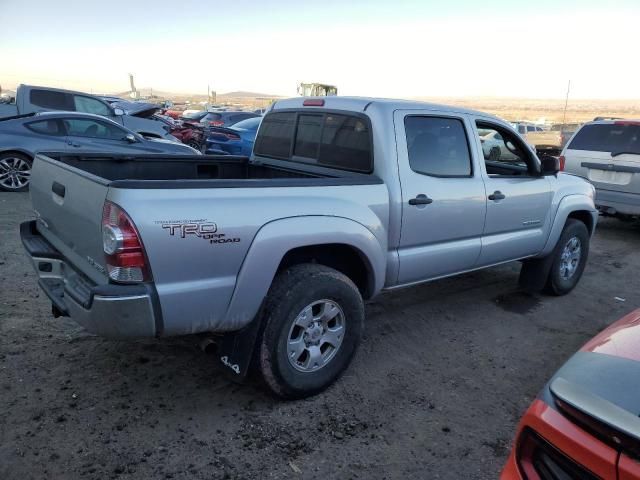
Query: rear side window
{"type": "Point", "coordinates": [276, 135]}
{"type": "Point", "coordinates": [51, 99]}
{"type": "Point", "coordinates": [611, 137]}
{"type": "Point", "coordinates": [437, 146]}
{"type": "Point", "coordinates": [46, 127]}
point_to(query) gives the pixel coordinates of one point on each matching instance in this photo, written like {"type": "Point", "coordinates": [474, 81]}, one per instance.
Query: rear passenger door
{"type": "Point", "coordinates": [518, 198]}
{"type": "Point", "coordinates": [443, 196]}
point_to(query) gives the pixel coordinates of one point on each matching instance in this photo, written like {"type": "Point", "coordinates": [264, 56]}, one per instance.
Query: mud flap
{"type": "Point", "coordinates": [235, 350]}
{"type": "Point", "coordinates": [535, 272]}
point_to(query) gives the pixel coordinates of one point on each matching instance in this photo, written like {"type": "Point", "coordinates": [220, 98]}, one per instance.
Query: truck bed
{"type": "Point", "coordinates": [201, 171]}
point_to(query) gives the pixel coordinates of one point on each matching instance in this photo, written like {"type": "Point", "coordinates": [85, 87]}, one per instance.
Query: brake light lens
{"type": "Point", "coordinates": [313, 102]}
{"type": "Point", "coordinates": [562, 160]}
{"type": "Point", "coordinates": [216, 123]}
{"type": "Point", "coordinates": [124, 253]}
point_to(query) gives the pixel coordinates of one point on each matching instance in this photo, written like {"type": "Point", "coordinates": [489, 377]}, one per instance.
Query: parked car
{"type": "Point", "coordinates": [21, 137]}
{"type": "Point", "coordinates": [225, 119]}
{"type": "Point", "coordinates": [493, 145]}
{"type": "Point", "coordinates": [190, 134]}
{"type": "Point", "coordinates": [553, 140]}
{"type": "Point", "coordinates": [235, 140]}
{"type": "Point", "coordinates": [193, 117]}
{"type": "Point", "coordinates": [584, 424]}
{"type": "Point", "coordinates": [30, 99]}
{"type": "Point", "coordinates": [607, 153]}
{"type": "Point", "coordinates": [278, 251]}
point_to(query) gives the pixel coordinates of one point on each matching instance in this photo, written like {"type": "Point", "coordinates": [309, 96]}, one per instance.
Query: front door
{"type": "Point", "coordinates": [518, 197]}
{"type": "Point", "coordinates": [443, 196]}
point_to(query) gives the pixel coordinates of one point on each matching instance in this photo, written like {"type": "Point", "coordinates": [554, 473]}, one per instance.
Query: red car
{"type": "Point", "coordinates": [585, 424]}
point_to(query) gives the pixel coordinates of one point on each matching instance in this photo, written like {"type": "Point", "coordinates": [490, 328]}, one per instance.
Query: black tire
{"type": "Point", "coordinates": [194, 144]}
{"type": "Point", "coordinates": [494, 154]}
{"type": "Point", "coordinates": [14, 162]}
{"type": "Point", "coordinates": [291, 292]}
{"type": "Point", "coordinates": [557, 283]}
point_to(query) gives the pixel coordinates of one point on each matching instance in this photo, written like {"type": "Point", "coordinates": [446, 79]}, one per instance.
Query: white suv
{"type": "Point", "coordinates": [607, 153]}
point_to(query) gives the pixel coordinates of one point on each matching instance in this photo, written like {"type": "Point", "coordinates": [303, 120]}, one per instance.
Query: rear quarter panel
{"type": "Point", "coordinates": [196, 276]}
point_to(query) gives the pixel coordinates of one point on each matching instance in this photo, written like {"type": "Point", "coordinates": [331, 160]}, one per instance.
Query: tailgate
{"type": "Point", "coordinates": [619, 173]}
{"type": "Point", "coordinates": [68, 203]}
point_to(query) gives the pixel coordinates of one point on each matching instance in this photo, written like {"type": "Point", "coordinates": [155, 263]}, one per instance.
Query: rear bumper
{"type": "Point", "coordinates": [613, 202]}
{"type": "Point", "coordinates": [109, 310]}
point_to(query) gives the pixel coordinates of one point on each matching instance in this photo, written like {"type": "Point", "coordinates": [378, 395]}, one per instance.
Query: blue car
{"type": "Point", "coordinates": [235, 140]}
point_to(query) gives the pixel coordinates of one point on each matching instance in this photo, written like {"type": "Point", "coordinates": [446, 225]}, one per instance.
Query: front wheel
{"type": "Point", "coordinates": [570, 258]}
{"type": "Point", "coordinates": [15, 172]}
{"type": "Point", "coordinates": [314, 319]}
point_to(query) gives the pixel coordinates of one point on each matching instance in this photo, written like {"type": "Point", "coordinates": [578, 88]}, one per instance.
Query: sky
{"type": "Point", "coordinates": [446, 48]}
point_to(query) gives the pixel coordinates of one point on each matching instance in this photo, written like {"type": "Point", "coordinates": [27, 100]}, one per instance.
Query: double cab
{"type": "Point", "coordinates": [341, 199]}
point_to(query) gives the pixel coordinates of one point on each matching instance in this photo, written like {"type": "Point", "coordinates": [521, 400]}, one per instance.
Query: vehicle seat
{"type": "Point", "coordinates": [91, 131]}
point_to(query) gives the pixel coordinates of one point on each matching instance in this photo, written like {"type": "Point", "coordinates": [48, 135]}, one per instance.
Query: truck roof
{"type": "Point", "coordinates": [361, 104]}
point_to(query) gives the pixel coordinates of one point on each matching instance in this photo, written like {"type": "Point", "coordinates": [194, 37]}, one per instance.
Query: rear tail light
{"type": "Point", "coordinates": [562, 161]}
{"type": "Point", "coordinates": [313, 102]}
{"type": "Point", "coordinates": [124, 254]}
{"type": "Point", "coordinates": [223, 136]}
{"type": "Point", "coordinates": [216, 123]}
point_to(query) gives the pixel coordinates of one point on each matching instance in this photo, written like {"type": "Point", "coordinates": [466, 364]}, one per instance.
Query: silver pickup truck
{"type": "Point", "coordinates": [341, 199]}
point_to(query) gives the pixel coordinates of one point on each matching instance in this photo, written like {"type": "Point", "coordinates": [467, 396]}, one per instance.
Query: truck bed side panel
{"type": "Point", "coordinates": [197, 239]}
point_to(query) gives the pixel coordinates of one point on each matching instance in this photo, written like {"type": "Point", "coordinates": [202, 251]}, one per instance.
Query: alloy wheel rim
{"type": "Point", "coordinates": [570, 258]}
{"type": "Point", "coordinates": [14, 173]}
{"type": "Point", "coordinates": [315, 336]}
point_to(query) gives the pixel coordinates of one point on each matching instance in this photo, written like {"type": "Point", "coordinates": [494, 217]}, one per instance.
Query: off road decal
{"type": "Point", "coordinates": [200, 228]}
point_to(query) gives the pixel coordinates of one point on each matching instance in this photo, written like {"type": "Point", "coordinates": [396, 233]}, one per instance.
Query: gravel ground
{"type": "Point", "coordinates": [435, 391]}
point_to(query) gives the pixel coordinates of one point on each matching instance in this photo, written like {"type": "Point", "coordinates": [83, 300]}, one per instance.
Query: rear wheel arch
{"type": "Point", "coordinates": [342, 257]}
{"type": "Point", "coordinates": [273, 248]}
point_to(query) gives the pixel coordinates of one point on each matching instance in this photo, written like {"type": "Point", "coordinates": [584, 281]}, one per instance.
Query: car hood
{"type": "Point", "coordinates": [602, 380]}
{"type": "Point", "coordinates": [137, 109]}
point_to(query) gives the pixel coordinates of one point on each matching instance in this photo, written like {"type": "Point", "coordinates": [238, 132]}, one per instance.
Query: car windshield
{"type": "Point", "coordinates": [248, 124]}
{"type": "Point", "coordinates": [618, 137]}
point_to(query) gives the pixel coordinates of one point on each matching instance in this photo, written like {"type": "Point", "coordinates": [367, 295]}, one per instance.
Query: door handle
{"type": "Point", "coordinates": [59, 189]}
{"type": "Point", "coordinates": [421, 199]}
{"type": "Point", "coordinates": [73, 144]}
{"type": "Point", "coordinates": [497, 195]}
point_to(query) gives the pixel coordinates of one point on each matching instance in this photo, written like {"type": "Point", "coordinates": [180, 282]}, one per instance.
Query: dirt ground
{"type": "Point", "coordinates": [435, 391]}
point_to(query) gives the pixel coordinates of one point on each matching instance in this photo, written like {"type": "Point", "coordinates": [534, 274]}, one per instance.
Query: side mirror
{"type": "Point", "coordinates": [131, 138]}
{"type": "Point", "coordinates": [549, 165]}
{"type": "Point", "coordinates": [118, 112]}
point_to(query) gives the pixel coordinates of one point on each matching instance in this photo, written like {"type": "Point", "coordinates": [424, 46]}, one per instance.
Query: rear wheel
{"type": "Point", "coordinates": [570, 258]}
{"type": "Point", "coordinates": [314, 319]}
{"type": "Point", "coordinates": [15, 172]}
{"type": "Point", "coordinates": [194, 144]}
